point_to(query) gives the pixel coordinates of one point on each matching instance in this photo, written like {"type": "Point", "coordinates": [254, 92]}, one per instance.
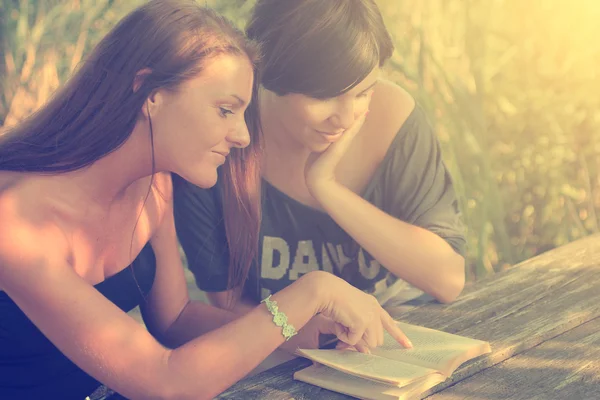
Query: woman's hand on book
{"type": "Point", "coordinates": [359, 319]}
{"type": "Point", "coordinates": [308, 337]}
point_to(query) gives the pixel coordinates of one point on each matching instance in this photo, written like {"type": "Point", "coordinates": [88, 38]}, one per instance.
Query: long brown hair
{"type": "Point", "coordinates": [96, 110]}
{"type": "Point", "coordinates": [241, 195]}
{"type": "Point", "coordinates": [319, 48]}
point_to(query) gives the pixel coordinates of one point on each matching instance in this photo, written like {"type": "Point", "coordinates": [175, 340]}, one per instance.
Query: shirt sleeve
{"type": "Point", "coordinates": [201, 233]}
{"type": "Point", "coordinates": [418, 188]}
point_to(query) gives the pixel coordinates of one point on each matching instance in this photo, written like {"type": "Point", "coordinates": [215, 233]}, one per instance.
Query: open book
{"type": "Point", "coordinates": [391, 371]}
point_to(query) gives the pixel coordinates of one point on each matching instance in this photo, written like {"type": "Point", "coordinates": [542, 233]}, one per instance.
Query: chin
{"type": "Point", "coordinates": [319, 147]}
{"type": "Point", "coordinates": [203, 177]}
{"type": "Point", "coordinates": [206, 182]}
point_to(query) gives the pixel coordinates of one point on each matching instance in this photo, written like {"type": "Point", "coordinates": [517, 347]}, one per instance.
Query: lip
{"type": "Point", "coordinates": [330, 136]}
{"type": "Point", "coordinates": [330, 133]}
{"type": "Point", "coordinates": [222, 155]}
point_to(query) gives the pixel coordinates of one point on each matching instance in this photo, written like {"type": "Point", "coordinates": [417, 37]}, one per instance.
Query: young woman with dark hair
{"type": "Point", "coordinates": [364, 197]}
{"type": "Point", "coordinates": [85, 188]}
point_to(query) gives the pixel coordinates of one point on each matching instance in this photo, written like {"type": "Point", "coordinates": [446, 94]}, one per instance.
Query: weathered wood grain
{"type": "Point", "coordinates": [514, 310]}
{"type": "Point", "coordinates": [565, 367]}
{"type": "Point", "coordinates": [277, 383]}
{"type": "Point", "coordinates": [556, 292]}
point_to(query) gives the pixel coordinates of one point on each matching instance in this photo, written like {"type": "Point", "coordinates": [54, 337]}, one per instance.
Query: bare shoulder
{"type": "Point", "coordinates": [28, 236]}
{"type": "Point", "coordinates": [390, 107]}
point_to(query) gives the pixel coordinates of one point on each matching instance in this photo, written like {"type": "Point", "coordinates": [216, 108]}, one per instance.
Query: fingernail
{"type": "Point", "coordinates": [409, 343]}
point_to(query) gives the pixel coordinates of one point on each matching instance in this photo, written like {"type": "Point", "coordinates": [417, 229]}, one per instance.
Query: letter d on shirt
{"type": "Point", "coordinates": [270, 246]}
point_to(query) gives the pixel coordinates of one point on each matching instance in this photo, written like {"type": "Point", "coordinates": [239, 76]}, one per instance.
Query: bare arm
{"type": "Point", "coordinates": [110, 346]}
{"type": "Point", "coordinates": [412, 253]}
{"type": "Point", "coordinates": [221, 299]}
{"type": "Point", "coordinates": [318, 332]}
{"type": "Point", "coordinates": [113, 348]}
{"type": "Point", "coordinates": [169, 313]}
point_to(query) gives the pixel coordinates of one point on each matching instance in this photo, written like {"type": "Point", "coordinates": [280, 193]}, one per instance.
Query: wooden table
{"type": "Point", "coordinates": [541, 317]}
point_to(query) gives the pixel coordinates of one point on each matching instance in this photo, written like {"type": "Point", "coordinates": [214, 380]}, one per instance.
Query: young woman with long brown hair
{"type": "Point", "coordinates": [85, 188]}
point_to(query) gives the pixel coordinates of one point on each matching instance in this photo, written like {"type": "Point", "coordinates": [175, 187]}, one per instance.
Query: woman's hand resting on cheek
{"type": "Point", "coordinates": [319, 170]}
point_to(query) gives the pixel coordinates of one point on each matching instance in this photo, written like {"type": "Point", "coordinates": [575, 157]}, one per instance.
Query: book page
{"type": "Point", "coordinates": [337, 381]}
{"type": "Point", "coordinates": [367, 366]}
{"type": "Point", "coordinates": [434, 349]}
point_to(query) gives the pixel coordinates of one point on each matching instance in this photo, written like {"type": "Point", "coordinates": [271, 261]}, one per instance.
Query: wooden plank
{"type": "Point", "coordinates": [277, 383]}
{"type": "Point", "coordinates": [556, 293]}
{"type": "Point", "coordinates": [488, 297]}
{"type": "Point", "coordinates": [566, 367]}
{"type": "Point", "coordinates": [514, 310]}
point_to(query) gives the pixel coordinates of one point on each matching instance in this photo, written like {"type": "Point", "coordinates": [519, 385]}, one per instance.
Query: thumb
{"type": "Point", "coordinates": [347, 335]}
{"type": "Point", "coordinates": [344, 346]}
{"type": "Point", "coordinates": [341, 332]}
{"type": "Point", "coordinates": [327, 326]}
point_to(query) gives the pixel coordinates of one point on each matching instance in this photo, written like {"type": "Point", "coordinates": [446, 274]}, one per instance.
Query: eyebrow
{"type": "Point", "coordinates": [370, 86]}
{"type": "Point", "coordinates": [241, 102]}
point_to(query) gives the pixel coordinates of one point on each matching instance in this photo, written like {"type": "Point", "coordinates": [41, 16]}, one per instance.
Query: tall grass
{"type": "Point", "coordinates": [511, 85]}
{"type": "Point", "coordinates": [42, 42]}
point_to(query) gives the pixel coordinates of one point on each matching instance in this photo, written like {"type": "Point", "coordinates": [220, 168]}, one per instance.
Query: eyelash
{"type": "Point", "coordinates": [224, 112]}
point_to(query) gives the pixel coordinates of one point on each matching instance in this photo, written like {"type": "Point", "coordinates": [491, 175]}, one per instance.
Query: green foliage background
{"type": "Point", "coordinates": [511, 85]}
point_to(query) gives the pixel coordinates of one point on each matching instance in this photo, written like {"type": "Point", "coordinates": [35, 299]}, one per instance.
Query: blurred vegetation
{"type": "Point", "coordinates": [512, 87]}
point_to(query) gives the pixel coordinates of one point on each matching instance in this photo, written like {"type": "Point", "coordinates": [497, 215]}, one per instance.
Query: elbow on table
{"type": "Point", "coordinates": [176, 394]}
{"type": "Point", "coordinates": [454, 281]}
{"type": "Point", "coordinates": [171, 391]}
{"type": "Point", "coordinates": [170, 385]}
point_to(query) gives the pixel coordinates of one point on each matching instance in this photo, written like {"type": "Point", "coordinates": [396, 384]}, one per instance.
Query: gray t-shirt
{"type": "Point", "coordinates": [411, 184]}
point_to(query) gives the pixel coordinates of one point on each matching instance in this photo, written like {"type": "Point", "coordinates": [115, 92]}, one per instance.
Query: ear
{"type": "Point", "coordinates": [152, 103]}
{"type": "Point", "coordinates": [139, 78]}
{"type": "Point", "coordinates": [153, 100]}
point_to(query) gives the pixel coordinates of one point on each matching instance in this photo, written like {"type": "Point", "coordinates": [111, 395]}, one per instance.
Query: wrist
{"type": "Point", "coordinates": [314, 285]}
{"type": "Point", "coordinates": [320, 188]}
{"type": "Point", "coordinates": [291, 345]}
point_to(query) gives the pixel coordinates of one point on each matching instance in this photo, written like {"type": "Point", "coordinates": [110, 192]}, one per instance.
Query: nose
{"type": "Point", "coordinates": [344, 115]}
{"type": "Point", "coordinates": [239, 137]}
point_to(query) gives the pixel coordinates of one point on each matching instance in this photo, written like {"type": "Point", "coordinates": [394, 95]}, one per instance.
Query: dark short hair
{"type": "Point", "coordinates": [319, 48]}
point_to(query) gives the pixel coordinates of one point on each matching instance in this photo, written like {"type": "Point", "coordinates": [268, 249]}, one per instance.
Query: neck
{"type": "Point", "coordinates": [281, 152]}
{"type": "Point", "coordinates": [106, 180]}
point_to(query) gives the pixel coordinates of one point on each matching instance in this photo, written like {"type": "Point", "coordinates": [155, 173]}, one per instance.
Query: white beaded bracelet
{"type": "Point", "coordinates": [279, 318]}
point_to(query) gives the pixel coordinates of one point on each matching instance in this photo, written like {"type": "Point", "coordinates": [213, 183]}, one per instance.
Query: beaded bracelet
{"type": "Point", "coordinates": [279, 318]}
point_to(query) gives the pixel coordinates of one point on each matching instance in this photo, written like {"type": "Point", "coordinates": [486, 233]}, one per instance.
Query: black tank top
{"type": "Point", "coordinates": [31, 367]}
